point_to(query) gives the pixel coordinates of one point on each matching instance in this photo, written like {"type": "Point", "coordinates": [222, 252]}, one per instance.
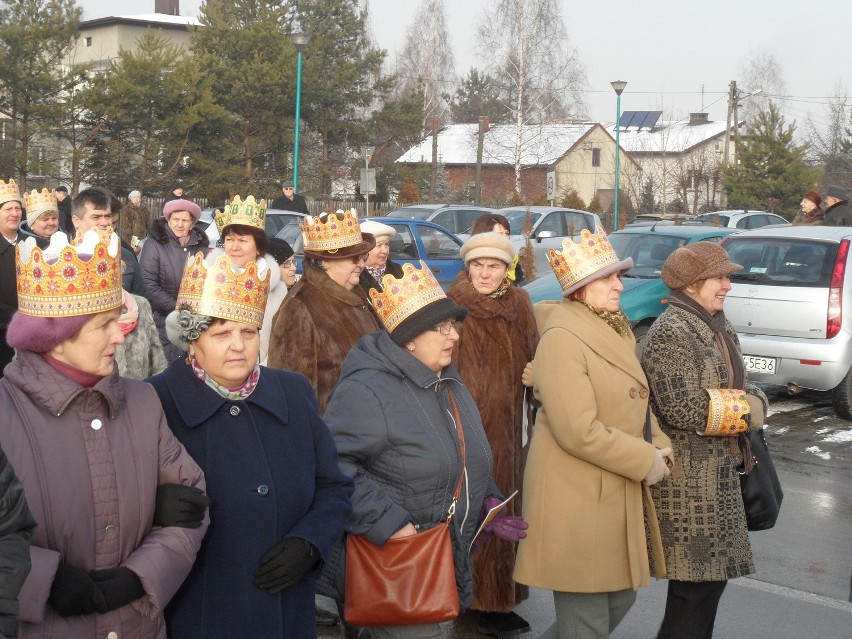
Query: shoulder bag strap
{"type": "Point", "coordinates": [460, 431]}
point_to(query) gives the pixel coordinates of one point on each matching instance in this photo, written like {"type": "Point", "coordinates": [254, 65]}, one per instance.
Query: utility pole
{"type": "Point", "coordinates": [483, 129]}
{"type": "Point", "coordinates": [732, 100]}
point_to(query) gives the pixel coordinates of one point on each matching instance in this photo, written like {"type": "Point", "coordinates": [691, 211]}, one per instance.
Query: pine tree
{"type": "Point", "coordinates": [771, 171]}
{"type": "Point", "coordinates": [572, 200]}
{"type": "Point", "coordinates": [595, 205]}
{"type": "Point", "coordinates": [648, 203]}
{"type": "Point", "coordinates": [478, 94]}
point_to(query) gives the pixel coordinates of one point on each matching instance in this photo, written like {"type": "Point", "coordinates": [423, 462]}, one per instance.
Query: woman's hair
{"type": "Point", "coordinates": [485, 223]}
{"type": "Point", "coordinates": [261, 239]}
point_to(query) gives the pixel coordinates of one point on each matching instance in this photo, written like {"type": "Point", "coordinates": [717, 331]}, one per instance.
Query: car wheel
{"type": "Point", "coordinates": [641, 334]}
{"type": "Point", "coordinates": [841, 397]}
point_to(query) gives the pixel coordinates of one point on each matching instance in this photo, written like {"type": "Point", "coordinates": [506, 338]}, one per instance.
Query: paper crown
{"type": "Point", "coordinates": [9, 191]}
{"type": "Point", "coordinates": [37, 203]}
{"type": "Point", "coordinates": [330, 232]}
{"type": "Point", "coordinates": [248, 213]}
{"type": "Point", "coordinates": [727, 408]}
{"type": "Point", "coordinates": [218, 290]}
{"type": "Point", "coordinates": [401, 297]}
{"type": "Point", "coordinates": [577, 261]}
{"type": "Point", "coordinates": [57, 282]}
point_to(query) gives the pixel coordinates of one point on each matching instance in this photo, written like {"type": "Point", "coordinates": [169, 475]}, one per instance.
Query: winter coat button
{"type": "Point", "coordinates": [112, 635]}
{"type": "Point", "coordinates": [643, 393]}
{"type": "Point", "coordinates": [235, 410]}
{"type": "Point", "coordinates": [96, 424]}
{"type": "Point", "coordinates": [111, 531]}
{"type": "Point", "coordinates": [263, 489]}
{"type": "Point", "coordinates": [633, 393]}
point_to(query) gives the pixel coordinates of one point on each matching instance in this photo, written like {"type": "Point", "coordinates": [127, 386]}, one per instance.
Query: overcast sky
{"type": "Point", "coordinates": [666, 50]}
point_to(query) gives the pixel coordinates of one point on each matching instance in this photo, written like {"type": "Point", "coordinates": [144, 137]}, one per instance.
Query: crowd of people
{"type": "Point", "coordinates": [190, 433]}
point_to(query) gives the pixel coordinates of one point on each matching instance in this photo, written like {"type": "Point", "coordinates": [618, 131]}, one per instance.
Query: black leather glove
{"type": "Point", "coordinates": [116, 587]}
{"type": "Point", "coordinates": [72, 592]}
{"type": "Point", "coordinates": [179, 505]}
{"type": "Point", "coordinates": [285, 564]}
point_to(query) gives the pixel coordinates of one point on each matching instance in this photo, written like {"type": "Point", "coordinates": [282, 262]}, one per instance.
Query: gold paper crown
{"type": "Point", "coordinates": [578, 261]}
{"type": "Point", "coordinates": [401, 297]}
{"type": "Point", "coordinates": [55, 282]}
{"type": "Point", "coordinates": [39, 203]}
{"type": "Point", "coordinates": [330, 232]}
{"type": "Point", "coordinates": [727, 408]}
{"type": "Point", "coordinates": [9, 191]}
{"type": "Point", "coordinates": [248, 212]}
{"type": "Point", "coordinates": [219, 291]}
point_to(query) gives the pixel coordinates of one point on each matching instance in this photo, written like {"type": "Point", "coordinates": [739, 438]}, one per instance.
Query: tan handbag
{"type": "Point", "coordinates": [410, 580]}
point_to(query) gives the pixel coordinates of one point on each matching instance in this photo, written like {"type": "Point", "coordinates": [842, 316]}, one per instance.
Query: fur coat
{"type": "Point", "coordinates": [316, 326]}
{"type": "Point", "coordinates": [497, 340]}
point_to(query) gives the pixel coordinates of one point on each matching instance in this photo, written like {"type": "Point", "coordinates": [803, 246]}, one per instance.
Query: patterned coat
{"type": "Point", "coordinates": [700, 507]}
{"type": "Point", "coordinates": [497, 340]}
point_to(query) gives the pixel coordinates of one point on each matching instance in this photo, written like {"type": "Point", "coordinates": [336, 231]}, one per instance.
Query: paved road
{"type": "Point", "coordinates": [803, 584]}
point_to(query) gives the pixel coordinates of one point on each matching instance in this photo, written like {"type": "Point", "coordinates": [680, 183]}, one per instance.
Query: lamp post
{"type": "Point", "coordinates": [368, 153]}
{"type": "Point", "coordinates": [300, 41]}
{"type": "Point", "coordinates": [618, 86]}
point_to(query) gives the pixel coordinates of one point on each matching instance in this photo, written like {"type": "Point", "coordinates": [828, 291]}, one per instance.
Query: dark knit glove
{"type": "Point", "coordinates": [285, 564]}
{"type": "Point", "coordinates": [116, 587]}
{"type": "Point", "coordinates": [72, 592]}
{"type": "Point", "coordinates": [179, 505]}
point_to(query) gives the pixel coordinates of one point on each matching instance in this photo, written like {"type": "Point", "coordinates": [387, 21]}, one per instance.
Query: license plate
{"type": "Point", "coordinates": [765, 365]}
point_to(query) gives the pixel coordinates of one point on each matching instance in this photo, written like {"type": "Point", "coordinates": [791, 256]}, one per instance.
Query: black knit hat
{"type": "Point", "coordinates": [426, 318]}
{"type": "Point", "coordinates": [279, 249]}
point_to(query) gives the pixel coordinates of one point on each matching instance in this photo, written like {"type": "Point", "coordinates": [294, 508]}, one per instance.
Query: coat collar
{"type": "Point", "coordinates": [618, 350]}
{"type": "Point", "coordinates": [197, 402]}
{"type": "Point", "coordinates": [52, 390]}
{"type": "Point", "coordinates": [482, 306]}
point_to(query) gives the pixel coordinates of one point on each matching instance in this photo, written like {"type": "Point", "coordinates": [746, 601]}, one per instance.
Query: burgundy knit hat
{"type": "Point", "coordinates": [813, 197]}
{"type": "Point", "coordinates": [42, 334]}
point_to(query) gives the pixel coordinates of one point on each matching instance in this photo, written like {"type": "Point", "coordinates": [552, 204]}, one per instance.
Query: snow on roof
{"type": "Point", "coordinates": [542, 144]}
{"type": "Point", "coordinates": [150, 18]}
{"type": "Point", "coordinates": [670, 136]}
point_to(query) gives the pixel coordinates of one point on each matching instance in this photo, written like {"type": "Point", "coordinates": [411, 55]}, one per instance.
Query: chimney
{"type": "Point", "coordinates": [168, 7]}
{"type": "Point", "coordinates": [698, 118]}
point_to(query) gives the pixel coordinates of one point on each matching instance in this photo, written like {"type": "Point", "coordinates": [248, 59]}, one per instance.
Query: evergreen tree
{"type": "Point", "coordinates": [478, 94]}
{"type": "Point", "coordinates": [595, 205]}
{"type": "Point", "coordinates": [648, 203]}
{"type": "Point", "coordinates": [771, 169]}
{"type": "Point", "coordinates": [572, 200]}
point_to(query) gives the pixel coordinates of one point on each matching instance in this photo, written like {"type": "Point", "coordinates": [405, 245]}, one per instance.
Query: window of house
{"type": "Point", "coordinates": [88, 41]}
{"type": "Point", "coordinates": [596, 157]}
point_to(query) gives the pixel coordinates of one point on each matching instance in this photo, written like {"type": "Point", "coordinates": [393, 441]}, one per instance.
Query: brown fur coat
{"type": "Point", "coordinates": [497, 340]}
{"type": "Point", "coordinates": [316, 326]}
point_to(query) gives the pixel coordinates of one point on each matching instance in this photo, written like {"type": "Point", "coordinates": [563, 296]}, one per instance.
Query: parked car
{"type": "Point", "coordinates": [742, 219]}
{"type": "Point", "coordinates": [415, 240]}
{"type": "Point", "coordinates": [276, 220]}
{"type": "Point", "coordinates": [456, 218]}
{"type": "Point", "coordinates": [645, 295]}
{"type": "Point", "coordinates": [792, 308]}
{"type": "Point", "coordinates": [550, 225]}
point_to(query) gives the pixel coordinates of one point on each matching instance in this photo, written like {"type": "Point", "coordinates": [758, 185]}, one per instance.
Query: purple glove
{"type": "Point", "coordinates": [507, 527]}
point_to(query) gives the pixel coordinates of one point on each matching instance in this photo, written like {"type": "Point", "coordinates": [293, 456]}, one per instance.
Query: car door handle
{"type": "Point", "coordinates": [436, 270]}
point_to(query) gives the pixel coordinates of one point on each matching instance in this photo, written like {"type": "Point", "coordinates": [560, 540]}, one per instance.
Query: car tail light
{"type": "Point", "coordinates": [835, 291]}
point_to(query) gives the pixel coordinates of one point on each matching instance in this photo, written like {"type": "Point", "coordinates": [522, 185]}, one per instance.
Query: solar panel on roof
{"type": "Point", "coordinates": [650, 120]}
{"type": "Point", "coordinates": [639, 119]}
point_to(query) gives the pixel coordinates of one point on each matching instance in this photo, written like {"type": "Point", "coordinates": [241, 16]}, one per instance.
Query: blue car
{"type": "Point", "coordinates": [415, 240]}
{"type": "Point", "coordinates": [645, 295]}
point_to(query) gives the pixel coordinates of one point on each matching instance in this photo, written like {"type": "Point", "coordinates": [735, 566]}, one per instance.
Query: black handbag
{"type": "Point", "coordinates": [761, 488]}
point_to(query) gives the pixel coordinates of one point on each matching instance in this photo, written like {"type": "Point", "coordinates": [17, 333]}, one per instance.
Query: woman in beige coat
{"type": "Point", "coordinates": [585, 485]}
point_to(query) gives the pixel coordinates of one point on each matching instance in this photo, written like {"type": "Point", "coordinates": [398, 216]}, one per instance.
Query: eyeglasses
{"type": "Point", "coordinates": [360, 258]}
{"type": "Point", "coordinates": [290, 263]}
{"type": "Point", "coordinates": [288, 188]}
{"type": "Point", "coordinates": [446, 327]}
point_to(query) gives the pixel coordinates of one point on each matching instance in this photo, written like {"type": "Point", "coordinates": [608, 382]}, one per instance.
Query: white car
{"type": "Point", "coordinates": [739, 219]}
{"type": "Point", "coordinates": [275, 221]}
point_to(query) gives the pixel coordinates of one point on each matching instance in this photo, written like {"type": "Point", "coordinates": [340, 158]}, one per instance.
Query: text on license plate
{"type": "Point", "coordinates": [764, 365]}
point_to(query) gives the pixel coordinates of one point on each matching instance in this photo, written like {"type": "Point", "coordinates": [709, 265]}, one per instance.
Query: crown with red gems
{"type": "Point", "coordinates": [40, 202]}
{"type": "Point", "coordinates": [58, 282]}
{"type": "Point", "coordinates": [728, 406]}
{"type": "Point", "coordinates": [401, 297]}
{"type": "Point", "coordinates": [219, 290]}
{"type": "Point", "coordinates": [9, 191]}
{"type": "Point", "coordinates": [331, 232]}
{"type": "Point", "coordinates": [248, 212]}
{"type": "Point", "coordinates": [579, 260]}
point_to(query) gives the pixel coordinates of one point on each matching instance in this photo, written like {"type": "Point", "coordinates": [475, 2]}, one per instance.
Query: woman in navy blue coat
{"type": "Point", "coordinates": [279, 501]}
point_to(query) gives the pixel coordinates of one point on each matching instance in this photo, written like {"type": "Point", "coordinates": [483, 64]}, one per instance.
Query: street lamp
{"type": "Point", "coordinates": [368, 153]}
{"type": "Point", "coordinates": [618, 86]}
{"type": "Point", "coordinates": [300, 41]}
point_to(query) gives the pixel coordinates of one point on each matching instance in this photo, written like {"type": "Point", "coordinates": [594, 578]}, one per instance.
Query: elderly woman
{"type": "Point", "coordinates": [589, 464]}
{"type": "Point", "coordinates": [702, 398]}
{"type": "Point", "coordinates": [326, 312]}
{"type": "Point", "coordinates": [279, 500]}
{"type": "Point", "coordinates": [497, 344]}
{"type": "Point", "coordinates": [136, 219]}
{"type": "Point", "coordinates": [406, 428]}
{"type": "Point", "coordinates": [42, 216]}
{"type": "Point", "coordinates": [92, 450]}
{"type": "Point", "coordinates": [172, 241]}
{"type": "Point", "coordinates": [377, 259]}
{"type": "Point", "coordinates": [496, 223]}
{"type": "Point", "coordinates": [809, 212]}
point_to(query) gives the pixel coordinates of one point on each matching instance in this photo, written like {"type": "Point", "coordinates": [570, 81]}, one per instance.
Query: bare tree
{"type": "Point", "coordinates": [527, 45]}
{"type": "Point", "coordinates": [826, 145]}
{"type": "Point", "coordinates": [426, 63]}
{"type": "Point", "coordinates": [762, 77]}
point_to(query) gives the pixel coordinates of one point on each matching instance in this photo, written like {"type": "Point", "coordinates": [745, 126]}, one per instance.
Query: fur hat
{"type": "Point", "coordinates": [182, 205]}
{"type": "Point", "coordinates": [493, 245]}
{"type": "Point", "coordinates": [835, 191]}
{"type": "Point", "coordinates": [695, 262]}
{"type": "Point", "coordinates": [134, 194]}
{"type": "Point", "coordinates": [378, 230]}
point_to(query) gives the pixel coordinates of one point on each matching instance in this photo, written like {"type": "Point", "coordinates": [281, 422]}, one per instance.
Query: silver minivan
{"type": "Point", "coordinates": [792, 308]}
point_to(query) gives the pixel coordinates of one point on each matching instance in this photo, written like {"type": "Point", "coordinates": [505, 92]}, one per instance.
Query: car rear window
{"type": "Point", "coordinates": [782, 261]}
{"type": "Point", "coordinates": [648, 250]}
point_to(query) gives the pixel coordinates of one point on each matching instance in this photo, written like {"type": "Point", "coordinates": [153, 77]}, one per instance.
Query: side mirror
{"type": "Point", "coordinates": [542, 235]}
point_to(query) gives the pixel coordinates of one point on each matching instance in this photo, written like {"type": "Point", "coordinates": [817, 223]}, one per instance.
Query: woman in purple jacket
{"type": "Point", "coordinates": [92, 450]}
